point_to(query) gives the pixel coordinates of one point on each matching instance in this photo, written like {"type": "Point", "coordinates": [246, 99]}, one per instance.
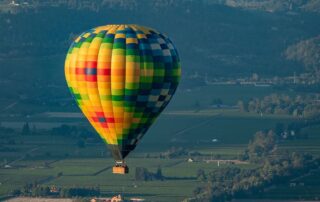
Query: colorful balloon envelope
{"type": "Point", "coordinates": [122, 77]}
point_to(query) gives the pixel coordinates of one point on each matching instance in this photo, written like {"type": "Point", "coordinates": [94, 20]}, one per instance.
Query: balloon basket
{"type": "Point", "coordinates": [120, 169]}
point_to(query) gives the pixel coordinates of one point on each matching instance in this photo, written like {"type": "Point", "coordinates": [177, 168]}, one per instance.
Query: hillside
{"type": "Point", "coordinates": [307, 52]}
{"type": "Point", "coordinates": [275, 5]}
{"type": "Point", "coordinates": [213, 37]}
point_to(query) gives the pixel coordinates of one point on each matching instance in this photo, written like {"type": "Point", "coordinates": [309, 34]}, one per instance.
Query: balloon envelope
{"type": "Point", "coordinates": [122, 77]}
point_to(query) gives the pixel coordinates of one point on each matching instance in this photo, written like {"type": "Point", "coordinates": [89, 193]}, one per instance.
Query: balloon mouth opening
{"type": "Point", "coordinates": [120, 162]}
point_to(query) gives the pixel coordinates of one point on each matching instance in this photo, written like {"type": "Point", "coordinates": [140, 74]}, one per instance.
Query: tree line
{"type": "Point", "coordinates": [36, 190]}
{"type": "Point", "coordinates": [306, 106]}
{"type": "Point", "coordinates": [275, 166]}
{"type": "Point", "coordinates": [142, 174]}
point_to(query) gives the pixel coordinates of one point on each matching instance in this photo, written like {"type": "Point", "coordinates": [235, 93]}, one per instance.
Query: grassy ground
{"type": "Point", "coordinates": [82, 172]}
{"type": "Point", "coordinates": [80, 165]}
{"type": "Point", "coordinates": [34, 157]}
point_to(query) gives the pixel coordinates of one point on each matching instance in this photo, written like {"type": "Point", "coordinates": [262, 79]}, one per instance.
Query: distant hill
{"type": "Point", "coordinates": [264, 5]}
{"type": "Point", "coordinates": [213, 38]}
{"type": "Point", "coordinates": [275, 5]}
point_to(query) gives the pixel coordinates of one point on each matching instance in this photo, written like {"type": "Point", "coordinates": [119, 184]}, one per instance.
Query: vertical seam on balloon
{"type": "Point", "coordinates": [104, 130]}
{"type": "Point", "coordinates": [144, 69]}
{"type": "Point", "coordinates": [139, 65]}
{"type": "Point", "coordinates": [67, 68]}
{"type": "Point", "coordinates": [165, 70]}
{"type": "Point", "coordinates": [124, 85]}
{"type": "Point", "coordinates": [141, 62]}
{"type": "Point", "coordinates": [73, 73]}
{"type": "Point", "coordinates": [179, 67]}
{"type": "Point", "coordinates": [148, 114]}
{"type": "Point", "coordinates": [127, 135]}
{"type": "Point", "coordinates": [111, 75]}
{"type": "Point", "coordinates": [134, 78]}
{"type": "Point", "coordinates": [76, 85]}
{"type": "Point", "coordinates": [88, 115]}
{"type": "Point", "coordinates": [97, 125]}
{"type": "Point", "coordinates": [114, 28]}
{"type": "Point", "coordinates": [113, 126]}
{"type": "Point", "coordinates": [103, 136]}
{"type": "Point", "coordinates": [111, 134]}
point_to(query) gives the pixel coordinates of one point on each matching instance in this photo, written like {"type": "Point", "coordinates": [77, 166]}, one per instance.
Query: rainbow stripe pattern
{"type": "Point", "coordinates": [122, 77]}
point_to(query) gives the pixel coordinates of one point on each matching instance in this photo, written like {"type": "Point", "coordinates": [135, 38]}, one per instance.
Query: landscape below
{"type": "Point", "coordinates": [243, 124]}
{"type": "Point", "coordinates": [61, 150]}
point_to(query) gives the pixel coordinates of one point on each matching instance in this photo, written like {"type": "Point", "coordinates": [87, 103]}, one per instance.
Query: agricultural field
{"type": "Point", "coordinates": [57, 160]}
{"type": "Point", "coordinates": [97, 172]}
{"type": "Point", "coordinates": [42, 157]}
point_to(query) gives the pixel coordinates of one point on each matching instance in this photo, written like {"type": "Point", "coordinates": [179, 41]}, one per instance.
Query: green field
{"type": "Point", "coordinates": [82, 173]}
{"type": "Point", "coordinates": [79, 165]}
{"type": "Point", "coordinates": [223, 132]}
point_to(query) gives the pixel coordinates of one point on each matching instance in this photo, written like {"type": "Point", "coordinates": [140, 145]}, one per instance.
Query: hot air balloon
{"type": "Point", "coordinates": [122, 77]}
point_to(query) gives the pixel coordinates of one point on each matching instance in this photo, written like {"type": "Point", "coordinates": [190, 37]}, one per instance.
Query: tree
{"type": "Point", "coordinates": [197, 191]}
{"type": "Point", "coordinates": [175, 152]}
{"type": "Point", "coordinates": [65, 193]}
{"type": "Point", "coordinates": [201, 175]}
{"type": "Point", "coordinates": [311, 111]}
{"type": "Point", "coordinates": [252, 106]}
{"type": "Point", "coordinates": [242, 106]}
{"type": "Point", "coordinates": [158, 174]}
{"type": "Point", "coordinates": [16, 192]}
{"type": "Point", "coordinates": [297, 160]}
{"type": "Point", "coordinates": [141, 174]}
{"type": "Point", "coordinates": [26, 129]}
{"type": "Point", "coordinates": [262, 145]}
